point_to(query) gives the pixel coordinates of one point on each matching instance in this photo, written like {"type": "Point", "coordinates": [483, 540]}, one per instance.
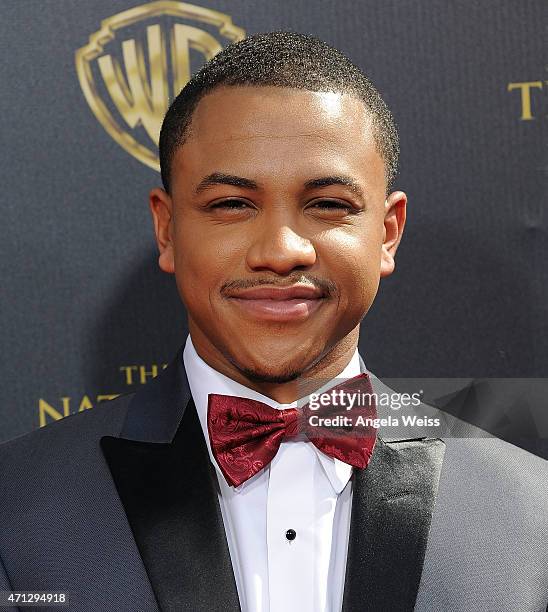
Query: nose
{"type": "Point", "coordinates": [280, 249]}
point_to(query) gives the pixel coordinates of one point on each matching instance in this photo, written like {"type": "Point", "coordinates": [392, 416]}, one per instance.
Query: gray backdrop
{"type": "Point", "coordinates": [86, 313]}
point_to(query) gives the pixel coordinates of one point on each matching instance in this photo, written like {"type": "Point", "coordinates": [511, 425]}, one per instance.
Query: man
{"type": "Point", "coordinates": [278, 220]}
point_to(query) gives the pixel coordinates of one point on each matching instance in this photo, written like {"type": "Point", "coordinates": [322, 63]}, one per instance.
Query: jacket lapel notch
{"type": "Point", "coordinates": [156, 410]}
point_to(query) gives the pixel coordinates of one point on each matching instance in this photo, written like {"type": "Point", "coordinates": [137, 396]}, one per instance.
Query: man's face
{"type": "Point", "coordinates": [277, 188]}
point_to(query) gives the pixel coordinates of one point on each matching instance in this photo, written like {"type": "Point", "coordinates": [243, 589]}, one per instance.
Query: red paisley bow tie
{"type": "Point", "coordinates": [246, 434]}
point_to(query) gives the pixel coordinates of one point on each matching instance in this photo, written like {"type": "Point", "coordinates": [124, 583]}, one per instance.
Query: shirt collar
{"type": "Point", "coordinates": [203, 380]}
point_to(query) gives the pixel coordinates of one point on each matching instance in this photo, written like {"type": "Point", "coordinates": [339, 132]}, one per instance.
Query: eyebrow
{"type": "Point", "coordinates": [326, 181]}
{"type": "Point", "coordinates": [220, 178]}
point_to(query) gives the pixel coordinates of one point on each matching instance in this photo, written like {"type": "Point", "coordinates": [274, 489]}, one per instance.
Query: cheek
{"type": "Point", "coordinates": [191, 267]}
{"type": "Point", "coordinates": [353, 262]}
{"type": "Point", "coordinates": [202, 265]}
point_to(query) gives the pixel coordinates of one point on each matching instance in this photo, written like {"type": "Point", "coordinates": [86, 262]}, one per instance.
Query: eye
{"type": "Point", "coordinates": [231, 204]}
{"type": "Point", "coordinates": [333, 205]}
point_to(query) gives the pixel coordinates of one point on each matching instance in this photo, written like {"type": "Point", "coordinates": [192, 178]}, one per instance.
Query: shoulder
{"type": "Point", "coordinates": [481, 475]}
{"type": "Point", "coordinates": [470, 452]}
{"type": "Point", "coordinates": [71, 436]}
{"type": "Point", "coordinates": [495, 471]}
{"type": "Point", "coordinates": [489, 529]}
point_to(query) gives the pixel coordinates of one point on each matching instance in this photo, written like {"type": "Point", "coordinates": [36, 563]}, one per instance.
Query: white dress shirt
{"type": "Point", "coordinates": [301, 489]}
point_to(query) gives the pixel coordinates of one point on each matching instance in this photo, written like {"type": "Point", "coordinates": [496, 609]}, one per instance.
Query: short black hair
{"type": "Point", "coordinates": [280, 59]}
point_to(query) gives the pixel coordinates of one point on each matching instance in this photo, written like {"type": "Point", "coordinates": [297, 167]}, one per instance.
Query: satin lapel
{"type": "Point", "coordinates": [168, 488]}
{"type": "Point", "coordinates": [393, 501]}
{"type": "Point", "coordinates": [169, 495]}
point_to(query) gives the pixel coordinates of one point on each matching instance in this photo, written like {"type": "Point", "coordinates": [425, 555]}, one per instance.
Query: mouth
{"type": "Point", "coordinates": [279, 304]}
{"type": "Point", "coordinates": [278, 310]}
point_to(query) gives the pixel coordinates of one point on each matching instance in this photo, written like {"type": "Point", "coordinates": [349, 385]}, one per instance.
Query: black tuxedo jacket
{"type": "Point", "coordinates": [118, 507]}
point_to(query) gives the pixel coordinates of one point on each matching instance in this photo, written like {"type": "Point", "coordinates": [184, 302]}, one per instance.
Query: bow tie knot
{"type": "Point", "coordinates": [292, 420]}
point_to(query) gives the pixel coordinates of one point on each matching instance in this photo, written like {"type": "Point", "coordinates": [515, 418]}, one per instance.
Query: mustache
{"type": "Point", "coordinates": [327, 287]}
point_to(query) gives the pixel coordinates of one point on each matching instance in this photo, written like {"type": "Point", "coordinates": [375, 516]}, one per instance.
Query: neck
{"type": "Point", "coordinates": [314, 375]}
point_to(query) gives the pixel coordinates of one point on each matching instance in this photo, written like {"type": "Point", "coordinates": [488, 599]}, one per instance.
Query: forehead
{"type": "Point", "coordinates": [271, 130]}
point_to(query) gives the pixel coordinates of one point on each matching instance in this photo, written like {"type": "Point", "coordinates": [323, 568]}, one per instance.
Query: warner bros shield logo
{"type": "Point", "coordinates": [139, 60]}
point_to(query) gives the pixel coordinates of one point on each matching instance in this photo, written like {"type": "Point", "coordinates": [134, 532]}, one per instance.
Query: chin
{"type": "Point", "coordinates": [277, 376]}
{"type": "Point", "coordinates": [269, 370]}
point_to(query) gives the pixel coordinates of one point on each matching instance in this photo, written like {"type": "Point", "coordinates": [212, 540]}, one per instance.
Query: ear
{"type": "Point", "coordinates": [161, 207]}
{"type": "Point", "coordinates": [394, 222]}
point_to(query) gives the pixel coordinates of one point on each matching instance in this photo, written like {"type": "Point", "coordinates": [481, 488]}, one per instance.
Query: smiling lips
{"type": "Point", "coordinates": [279, 303]}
